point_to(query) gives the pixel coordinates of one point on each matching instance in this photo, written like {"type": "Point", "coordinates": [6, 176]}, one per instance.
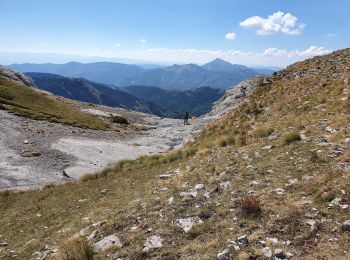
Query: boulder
{"type": "Point", "coordinates": [267, 252]}
{"type": "Point", "coordinates": [346, 225]}
{"type": "Point", "coordinates": [152, 242]}
{"type": "Point", "coordinates": [279, 254]}
{"type": "Point", "coordinates": [107, 242]}
{"type": "Point", "coordinates": [243, 240]}
{"type": "Point", "coordinates": [224, 255]}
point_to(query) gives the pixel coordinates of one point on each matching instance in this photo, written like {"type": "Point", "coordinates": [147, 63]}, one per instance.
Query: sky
{"type": "Point", "coordinates": [250, 32]}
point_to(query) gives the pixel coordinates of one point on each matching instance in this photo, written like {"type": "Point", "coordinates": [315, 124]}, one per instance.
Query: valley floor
{"type": "Point", "coordinates": [35, 153]}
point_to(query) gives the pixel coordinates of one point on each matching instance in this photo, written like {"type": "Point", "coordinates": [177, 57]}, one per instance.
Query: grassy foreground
{"type": "Point", "coordinates": [27, 102]}
{"type": "Point", "coordinates": [276, 169]}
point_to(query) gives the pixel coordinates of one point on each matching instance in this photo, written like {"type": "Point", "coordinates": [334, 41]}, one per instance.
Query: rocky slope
{"type": "Point", "coordinates": [14, 75]}
{"type": "Point", "coordinates": [233, 98]}
{"type": "Point", "coordinates": [269, 180]}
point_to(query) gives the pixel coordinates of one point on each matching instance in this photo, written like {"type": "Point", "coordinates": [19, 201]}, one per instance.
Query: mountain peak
{"type": "Point", "coordinates": [219, 60]}
{"type": "Point", "coordinates": [221, 65]}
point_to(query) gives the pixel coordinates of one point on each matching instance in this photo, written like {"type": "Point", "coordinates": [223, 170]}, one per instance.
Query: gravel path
{"type": "Point", "coordinates": [34, 153]}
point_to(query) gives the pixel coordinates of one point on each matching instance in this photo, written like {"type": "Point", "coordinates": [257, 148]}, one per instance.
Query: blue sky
{"type": "Point", "coordinates": [251, 32]}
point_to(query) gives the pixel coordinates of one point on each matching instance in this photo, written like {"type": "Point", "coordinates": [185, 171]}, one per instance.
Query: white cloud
{"type": "Point", "coordinates": [267, 57]}
{"type": "Point", "coordinates": [277, 22]}
{"type": "Point", "coordinates": [142, 40]}
{"type": "Point", "coordinates": [117, 45]}
{"type": "Point", "coordinates": [230, 36]}
{"type": "Point", "coordinates": [330, 35]}
{"type": "Point", "coordinates": [43, 44]}
{"type": "Point", "coordinates": [310, 52]}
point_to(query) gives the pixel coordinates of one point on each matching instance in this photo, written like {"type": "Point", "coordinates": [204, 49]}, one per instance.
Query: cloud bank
{"type": "Point", "coordinates": [267, 57]}
{"type": "Point", "coordinates": [278, 22]}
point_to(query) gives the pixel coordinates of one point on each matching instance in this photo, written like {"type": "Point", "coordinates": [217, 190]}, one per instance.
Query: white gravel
{"type": "Point", "coordinates": [78, 153]}
{"type": "Point", "coordinates": [94, 155]}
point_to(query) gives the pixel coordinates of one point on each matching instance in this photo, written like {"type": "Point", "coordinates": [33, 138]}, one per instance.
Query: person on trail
{"type": "Point", "coordinates": [186, 117]}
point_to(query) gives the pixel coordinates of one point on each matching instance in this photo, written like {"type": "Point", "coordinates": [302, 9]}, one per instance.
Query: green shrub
{"type": "Point", "coordinates": [119, 120]}
{"type": "Point", "coordinates": [291, 138]}
{"type": "Point", "coordinates": [196, 231]}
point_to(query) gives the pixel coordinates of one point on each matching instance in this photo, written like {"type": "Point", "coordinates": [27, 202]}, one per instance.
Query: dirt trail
{"type": "Point", "coordinates": [34, 153]}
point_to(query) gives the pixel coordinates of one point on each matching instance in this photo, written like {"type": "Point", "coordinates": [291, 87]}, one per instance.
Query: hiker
{"type": "Point", "coordinates": [186, 117]}
{"type": "Point", "coordinates": [243, 91]}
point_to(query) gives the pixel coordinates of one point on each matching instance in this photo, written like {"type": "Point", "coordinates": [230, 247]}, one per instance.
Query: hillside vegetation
{"type": "Point", "coordinates": [92, 92]}
{"type": "Point", "coordinates": [174, 103]}
{"type": "Point", "coordinates": [270, 180]}
{"type": "Point", "coordinates": [27, 102]}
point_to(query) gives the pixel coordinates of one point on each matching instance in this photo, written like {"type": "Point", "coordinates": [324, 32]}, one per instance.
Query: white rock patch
{"type": "Point", "coordinates": [152, 242]}
{"type": "Point", "coordinates": [187, 223]}
{"type": "Point", "coordinates": [107, 243]}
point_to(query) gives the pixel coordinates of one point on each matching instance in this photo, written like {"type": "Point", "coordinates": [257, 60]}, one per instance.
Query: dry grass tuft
{"type": "Point", "coordinates": [291, 138]}
{"type": "Point", "coordinates": [76, 249]}
{"type": "Point", "coordinates": [204, 152]}
{"type": "Point", "coordinates": [226, 140]}
{"type": "Point", "coordinates": [5, 193]}
{"type": "Point", "coordinates": [249, 206]}
{"type": "Point", "coordinates": [262, 132]}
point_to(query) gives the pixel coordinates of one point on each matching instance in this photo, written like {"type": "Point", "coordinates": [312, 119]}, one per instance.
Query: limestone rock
{"type": "Point", "coordinates": [346, 226]}
{"type": "Point", "coordinates": [243, 240]}
{"type": "Point", "coordinates": [225, 185]}
{"type": "Point", "coordinates": [199, 187]}
{"type": "Point", "coordinates": [187, 223]}
{"type": "Point", "coordinates": [267, 252]}
{"type": "Point", "coordinates": [15, 76]}
{"type": "Point", "coordinates": [104, 191]}
{"type": "Point", "coordinates": [152, 242]}
{"type": "Point", "coordinates": [279, 254]}
{"type": "Point", "coordinates": [279, 191]}
{"type": "Point", "coordinates": [107, 243]}
{"type": "Point", "coordinates": [224, 255]}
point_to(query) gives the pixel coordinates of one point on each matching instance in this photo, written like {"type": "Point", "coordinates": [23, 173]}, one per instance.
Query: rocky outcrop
{"type": "Point", "coordinates": [233, 98]}
{"type": "Point", "coordinates": [15, 76]}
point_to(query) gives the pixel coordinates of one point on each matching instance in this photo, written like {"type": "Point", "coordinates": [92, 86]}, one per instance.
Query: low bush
{"type": "Point", "coordinates": [262, 132]}
{"type": "Point", "coordinates": [291, 138]}
{"type": "Point", "coordinates": [119, 120]}
{"type": "Point", "coordinates": [249, 206]}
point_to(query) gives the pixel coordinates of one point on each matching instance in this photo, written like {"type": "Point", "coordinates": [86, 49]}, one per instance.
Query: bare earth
{"type": "Point", "coordinates": [34, 153]}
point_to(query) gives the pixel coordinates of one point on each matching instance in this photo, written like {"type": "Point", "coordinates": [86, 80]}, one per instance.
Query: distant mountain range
{"type": "Point", "coordinates": [154, 100]}
{"type": "Point", "coordinates": [196, 102]}
{"type": "Point", "coordinates": [88, 91]}
{"type": "Point", "coordinates": [216, 74]}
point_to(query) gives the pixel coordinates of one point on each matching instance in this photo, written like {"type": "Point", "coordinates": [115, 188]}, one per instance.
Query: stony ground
{"type": "Point", "coordinates": [270, 180]}
{"type": "Point", "coordinates": [36, 152]}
